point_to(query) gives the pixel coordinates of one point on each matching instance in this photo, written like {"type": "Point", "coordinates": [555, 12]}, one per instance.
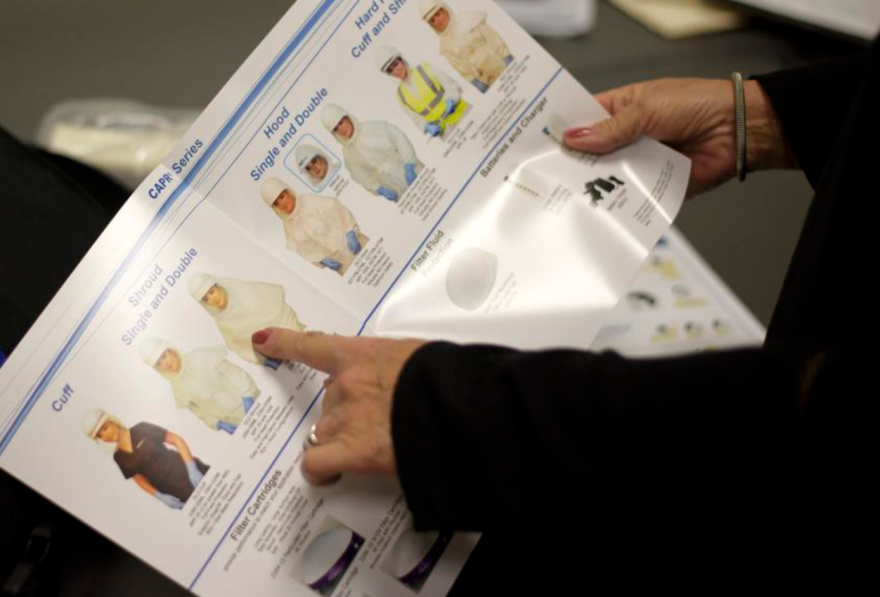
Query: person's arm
{"type": "Point", "coordinates": [495, 41]}
{"type": "Point", "coordinates": [452, 89]}
{"type": "Point", "coordinates": [462, 65]}
{"type": "Point", "coordinates": [239, 378]}
{"type": "Point", "coordinates": [402, 145]}
{"type": "Point", "coordinates": [414, 116]}
{"type": "Point", "coordinates": [144, 484]}
{"type": "Point", "coordinates": [192, 468]}
{"type": "Point", "coordinates": [172, 439]}
{"type": "Point", "coordinates": [486, 435]}
{"type": "Point", "coordinates": [812, 103]}
{"type": "Point", "coordinates": [364, 175]}
{"type": "Point", "coordinates": [206, 417]}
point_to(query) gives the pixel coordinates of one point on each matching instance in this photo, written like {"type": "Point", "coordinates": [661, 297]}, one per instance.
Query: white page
{"type": "Point", "coordinates": [677, 305]}
{"type": "Point", "coordinates": [494, 240]}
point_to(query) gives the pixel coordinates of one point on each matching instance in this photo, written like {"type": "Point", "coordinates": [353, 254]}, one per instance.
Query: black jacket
{"type": "Point", "coordinates": [718, 472]}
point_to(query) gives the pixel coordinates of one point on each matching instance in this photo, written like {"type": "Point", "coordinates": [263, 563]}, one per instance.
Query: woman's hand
{"type": "Point", "coordinates": [354, 432]}
{"type": "Point", "coordinates": [695, 117]}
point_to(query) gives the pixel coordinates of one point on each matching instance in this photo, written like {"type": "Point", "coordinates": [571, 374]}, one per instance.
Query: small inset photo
{"type": "Point", "coordinates": [157, 460]}
{"type": "Point", "coordinates": [414, 556]}
{"type": "Point", "coordinates": [328, 556]}
{"type": "Point", "coordinates": [312, 163]}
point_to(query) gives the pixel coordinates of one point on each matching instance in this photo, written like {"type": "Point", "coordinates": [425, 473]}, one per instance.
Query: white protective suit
{"type": "Point", "coordinates": [318, 226]}
{"type": "Point", "coordinates": [207, 384]}
{"type": "Point", "coordinates": [250, 307]}
{"type": "Point", "coordinates": [376, 153]}
{"type": "Point", "coordinates": [472, 46]}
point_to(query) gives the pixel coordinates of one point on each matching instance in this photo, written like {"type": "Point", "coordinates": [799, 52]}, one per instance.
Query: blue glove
{"type": "Point", "coordinates": [354, 245]}
{"type": "Point", "coordinates": [272, 364]}
{"type": "Point", "coordinates": [331, 263]}
{"type": "Point", "coordinates": [195, 475]}
{"type": "Point", "coordinates": [480, 85]}
{"type": "Point", "coordinates": [227, 427]}
{"type": "Point", "coordinates": [169, 500]}
{"type": "Point", "coordinates": [508, 59]}
{"type": "Point", "coordinates": [410, 171]}
{"type": "Point", "coordinates": [387, 193]}
{"type": "Point", "coordinates": [247, 403]}
{"type": "Point", "coordinates": [433, 129]}
{"type": "Point", "coordinates": [451, 105]}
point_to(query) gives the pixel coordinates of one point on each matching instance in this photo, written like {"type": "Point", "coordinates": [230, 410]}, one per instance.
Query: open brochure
{"type": "Point", "coordinates": [375, 167]}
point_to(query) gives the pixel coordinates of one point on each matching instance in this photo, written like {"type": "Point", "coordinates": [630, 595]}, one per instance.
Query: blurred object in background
{"type": "Point", "coordinates": [677, 19]}
{"type": "Point", "coordinates": [858, 19]}
{"type": "Point", "coordinates": [124, 139]}
{"type": "Point", "coordinates": [552, 18]}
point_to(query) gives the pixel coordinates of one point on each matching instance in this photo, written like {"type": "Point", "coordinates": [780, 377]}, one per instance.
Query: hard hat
{"type": "Point", "coordinates": [331, 115]}
{"type": "Point", "coordinates": [385, 55]}
{"type": "Point", "coordinates": [272, 187]}
{"type": "Point", "coordinates": [92, 422]}
{"type": "Point", "coordinates": [427, 8]}
{"type": "Point", "coordinates": [152, 350]}
{"type": "Point", "coordinates": [200, 284]}
{"type": "Point", "coordinates": [305, 154]}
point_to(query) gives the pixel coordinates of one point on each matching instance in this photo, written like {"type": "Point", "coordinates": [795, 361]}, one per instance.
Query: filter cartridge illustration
{"type": "Point", "coordinates": [414, 556]}
{"type": "Point", "coordinates": [328, 558]}
{"type": "Point", "coordinates": [471, 277]}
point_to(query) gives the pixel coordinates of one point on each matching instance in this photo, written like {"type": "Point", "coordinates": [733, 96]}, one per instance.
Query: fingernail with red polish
{"type": "Point", "coordinates": [577, 133]}
{"type": "Point", "coordinates": [261, 337]}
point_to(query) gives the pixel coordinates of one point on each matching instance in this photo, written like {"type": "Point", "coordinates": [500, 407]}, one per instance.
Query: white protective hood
{"type": "Point", "coordinates": [251, 306]}
{"type": "Point", "coordinates": [317, 227]}
{"type": "Point", "coordinates": [462, 24]}
{"type": "Point", "coordinates": [376, 153]}
{"type": "Point", "coordinates": [212, 387]}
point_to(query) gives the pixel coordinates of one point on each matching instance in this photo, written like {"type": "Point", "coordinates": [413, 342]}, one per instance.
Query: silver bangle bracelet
{"type": "Point", "coordinates": [739, 96]}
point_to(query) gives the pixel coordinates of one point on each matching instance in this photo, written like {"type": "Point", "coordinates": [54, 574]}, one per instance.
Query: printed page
{"type": "Point", "coordinates": [408, 162]}
{"type": "Point", "coordinates": [677, 305]}
{"type": "Point", "coordinates": [375, 167]}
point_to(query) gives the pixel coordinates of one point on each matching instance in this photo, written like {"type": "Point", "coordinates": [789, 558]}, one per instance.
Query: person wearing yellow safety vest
{"type": "Point", "coordinates": [429, 97]}
{"type": "Point", "coordinates": [468, 42]}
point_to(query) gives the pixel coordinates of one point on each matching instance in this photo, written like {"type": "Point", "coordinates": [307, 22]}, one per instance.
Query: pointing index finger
{"type": "Point", "coordinates": [320, 351]}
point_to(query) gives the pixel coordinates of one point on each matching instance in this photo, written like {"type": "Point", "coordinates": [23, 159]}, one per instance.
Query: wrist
{"type": "Point", "coordinates": [766, 145]}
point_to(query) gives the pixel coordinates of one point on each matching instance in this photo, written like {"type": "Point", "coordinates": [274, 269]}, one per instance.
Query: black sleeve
{"type": "Point", "coordinates": [485, 436]}
{"type": "Point", "coordinates": [812, 102]}
{"type": "Point", "coordinates": [124, 467]}
{"type": "Point", "coordinates": [53, 210]}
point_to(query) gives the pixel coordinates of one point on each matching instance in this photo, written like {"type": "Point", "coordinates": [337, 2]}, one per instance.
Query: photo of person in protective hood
{"type": "Point", "coordinates": [159, 461]}
{"type": "Point", "coordinates": [204, 382]}
{"type": "Point", "coordinates": [240, 308]}
{"type": "Point", "coordinates": [378, 155]}
{"type": "Point", "coordinates": [430, 97]}
{"type": "Point", "coordinates": [320, 229]}
{"type": "Point", "coordinates": [315, 166]}
{"type": "Point", "coordinates": [468, 42]}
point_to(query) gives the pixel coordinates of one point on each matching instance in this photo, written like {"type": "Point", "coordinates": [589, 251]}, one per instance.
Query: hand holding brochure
{"type": "Point", "coordinates": [386, 167]}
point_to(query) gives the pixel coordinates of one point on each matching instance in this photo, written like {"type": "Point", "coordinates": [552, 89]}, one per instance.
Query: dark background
{"type": "Point", "coordinates": [173, 53]}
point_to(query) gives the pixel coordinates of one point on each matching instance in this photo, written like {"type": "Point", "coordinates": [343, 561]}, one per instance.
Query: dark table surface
{"type": "Point", "coordinates": [174, 53]}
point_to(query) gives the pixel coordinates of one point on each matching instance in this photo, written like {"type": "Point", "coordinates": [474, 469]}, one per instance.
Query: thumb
{"type": "Point", "coordinates": [323, 464]}
{"type": "Point", "coordinates": [625, 127]}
